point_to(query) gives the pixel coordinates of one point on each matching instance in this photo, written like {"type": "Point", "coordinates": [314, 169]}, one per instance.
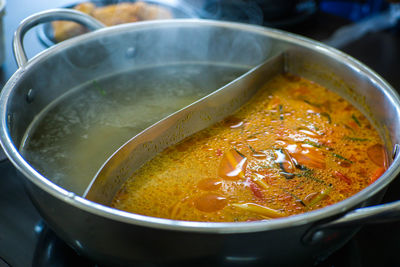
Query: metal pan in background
{"type": "Point", "coordinates": [2, 48]}
{"type": "Point", "coordinates": [178, 8]}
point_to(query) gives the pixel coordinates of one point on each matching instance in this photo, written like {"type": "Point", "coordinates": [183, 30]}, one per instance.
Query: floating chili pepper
{"type": "Point", "coordinates": [233, 165]}
{"type": "Point", "coordinates": [377, 155]}
{"type": "Point", "coordinates": [378, 173]}
{"type": "Point", "coordinates": [342, 177]}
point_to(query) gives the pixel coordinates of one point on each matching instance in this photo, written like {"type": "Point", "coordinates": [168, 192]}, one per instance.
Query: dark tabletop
{"type": "Point", "coordinates": [375, 245]}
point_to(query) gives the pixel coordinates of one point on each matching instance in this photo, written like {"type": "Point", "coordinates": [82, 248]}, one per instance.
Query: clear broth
{"type": "Point", "coordinates": [72, 137]}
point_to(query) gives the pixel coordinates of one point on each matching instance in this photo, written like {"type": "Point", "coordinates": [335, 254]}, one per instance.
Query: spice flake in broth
{"type": "Point", "coordinates": [295, 147]}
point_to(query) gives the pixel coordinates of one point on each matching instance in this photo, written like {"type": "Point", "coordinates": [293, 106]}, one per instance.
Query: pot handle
{"type": "Point", "coordinates": [389, 212]}
{"type": "Point", "coordinates": [47, 16]}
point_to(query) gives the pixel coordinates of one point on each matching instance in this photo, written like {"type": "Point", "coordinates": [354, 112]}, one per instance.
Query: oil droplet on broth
{"type": "Point", "coordinates": [210, 202]}
{"type": "Point", "coordinates": [259, 155]}
{"type": "Point", "coordinates": [233, 122]}
{"type": "Point", "coordinates": [209, 184]}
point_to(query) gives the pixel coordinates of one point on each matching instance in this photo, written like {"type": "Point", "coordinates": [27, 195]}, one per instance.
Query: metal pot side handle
{"type": "Point", "coordinates": [388, 212]}
{"type": "Point", "coordinates": [382, 213]}
{"type": "Point", "coordinates": [47, 16]}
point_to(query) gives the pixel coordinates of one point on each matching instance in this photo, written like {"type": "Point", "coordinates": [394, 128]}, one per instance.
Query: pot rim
{"type": "Point", "coordinates": [204, 227]}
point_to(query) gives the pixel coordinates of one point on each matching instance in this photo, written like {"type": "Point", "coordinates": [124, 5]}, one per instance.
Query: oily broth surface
{"type": "Point", "coordinates": [293, 148]}
{"type": "Point", "coordinates": [70, 140]}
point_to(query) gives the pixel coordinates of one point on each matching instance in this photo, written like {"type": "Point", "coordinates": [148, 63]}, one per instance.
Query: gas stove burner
{"type": "Point", "coordinates": [52, 251]}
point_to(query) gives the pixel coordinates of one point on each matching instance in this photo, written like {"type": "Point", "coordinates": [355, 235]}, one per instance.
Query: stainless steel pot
{"type": "Point", "coordinates": [115, 237]}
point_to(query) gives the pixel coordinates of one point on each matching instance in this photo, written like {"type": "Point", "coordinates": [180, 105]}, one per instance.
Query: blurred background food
{"type": "Point", "coordinates": [110, 15]}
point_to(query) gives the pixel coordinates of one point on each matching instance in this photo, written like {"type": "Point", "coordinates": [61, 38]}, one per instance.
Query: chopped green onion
{"type": "Point", "coordinates": [356, 120]}
{"type": "Point", "coordinates": [98, 87]}
{"type": "Point", "coordinates": [355, 139]}
{"type": "Point", "coordinates": [320, 196]}
{"type": "Point", "coordinates": [294, 196]}
{"type": "Point", "coordinates": [253, 135]}
{"type": "Point", "coordinates": [341, 157]}
{"type": "Point", "coordinates": [240, 154]}
{"type": "Point", "coordinates": [309, 174]}
{"type": "Point", "coordinates": [311, 143]}
{"type": "Point", "coordinates": [312, 103]}
{"type": "Point", "coordinates": [325, 114]}
{"type": "Point", "coordinates": [280, 112]}
{"type": "Point", "coordinates": [287, 175]}
{"type": "Point", "coordinates": [348, 127]}
{"type": "Point", "coordinates": [251, 148]}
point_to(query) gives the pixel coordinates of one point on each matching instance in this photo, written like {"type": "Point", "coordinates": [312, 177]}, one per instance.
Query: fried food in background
{"type": "Point", "coordinates": [67, 29]}
{"type": "Point", "coordinates": [109, 15]}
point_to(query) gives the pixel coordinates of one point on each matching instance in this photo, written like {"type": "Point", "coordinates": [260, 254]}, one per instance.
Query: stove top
{"type": "Point", "coordinates": [25, 239]}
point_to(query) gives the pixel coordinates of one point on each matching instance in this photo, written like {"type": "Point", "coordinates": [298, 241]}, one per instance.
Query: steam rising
{"type": "Point", "coordinates": [70, 139]}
